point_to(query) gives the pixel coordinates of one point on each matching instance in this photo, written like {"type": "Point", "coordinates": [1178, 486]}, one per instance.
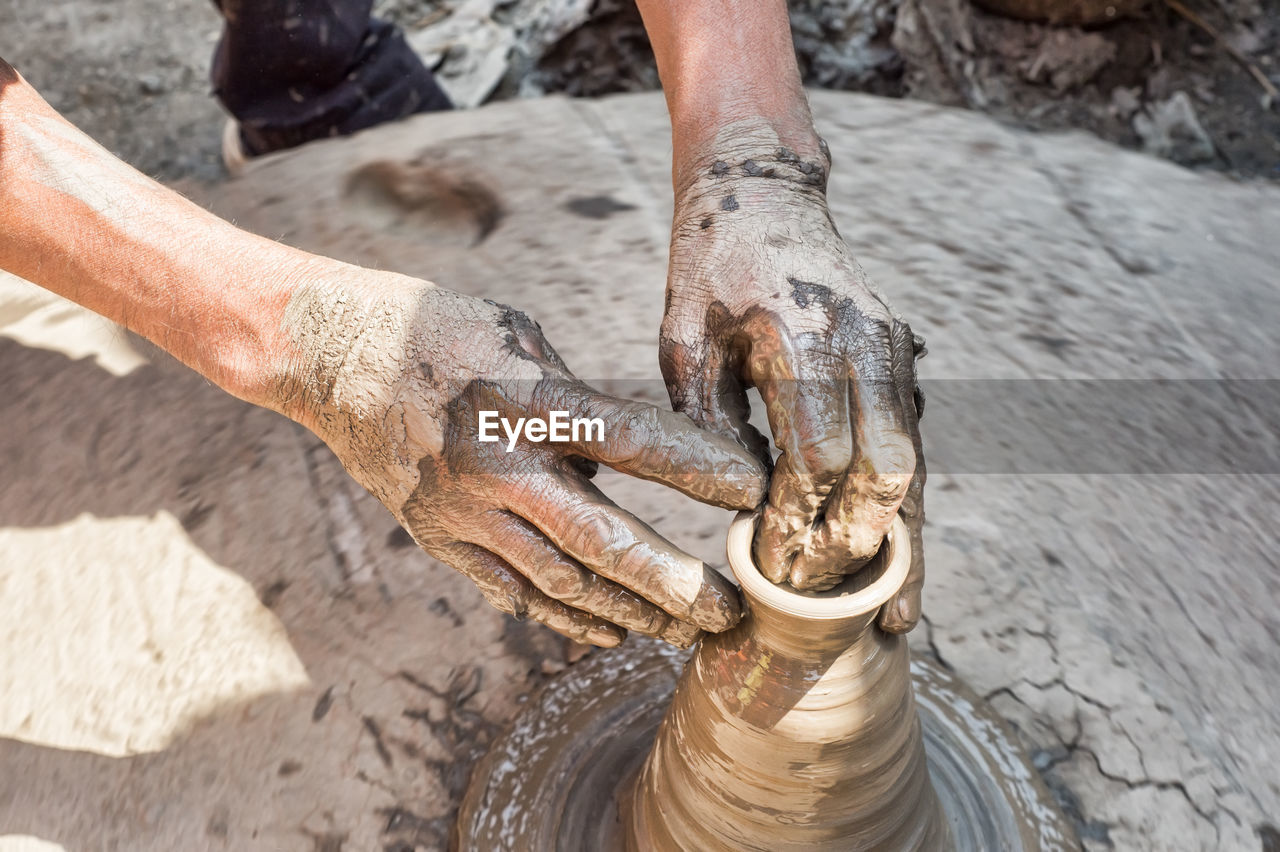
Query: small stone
{"type": "Point", "coordinates": [1170, 128]}
{"type": "Point", "coordinates": [151, 84]}
{"type": "Point", "coordinates": [1124, 102]}
{"type": "Point", "coordinates": [575, 651]}
{"type": "Point", "coordinates": [552, 667]}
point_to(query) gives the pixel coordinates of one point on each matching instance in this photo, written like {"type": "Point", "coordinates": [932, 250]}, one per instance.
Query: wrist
{"type": "Point", "coordinates": [339, 340]}
{"type": "Point", "coordinates": [254, 363]}
{"type": "Point", "coordinates": [747, 175]}
{"type": "Point", "coordinates": [753, 147]}
{"type": "Point", "coordinates": [728, 66]}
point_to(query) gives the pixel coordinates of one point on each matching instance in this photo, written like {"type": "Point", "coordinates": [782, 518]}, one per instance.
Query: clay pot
{"type": "Point", "coordinates": [1073, 13]}
{"type": "Point", "coordinates": [796, 729]}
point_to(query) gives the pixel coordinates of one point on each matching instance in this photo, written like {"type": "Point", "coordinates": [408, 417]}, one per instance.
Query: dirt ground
{"type": "Point", "coordinates": [212, 639]}
{"type": "Point", "coordinates": [1125, 623]}
{"type": "Point", "coordinates": [134, 73]}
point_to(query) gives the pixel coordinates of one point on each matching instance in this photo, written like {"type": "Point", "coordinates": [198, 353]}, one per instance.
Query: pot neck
{"type": "Point", "coordinates": [805, 624]}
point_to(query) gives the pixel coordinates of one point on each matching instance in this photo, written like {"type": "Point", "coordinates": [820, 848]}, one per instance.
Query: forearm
{"type": "Point", "coordinates": [80, 223]}
{"type": "Point", "coordinates": [729, 71]}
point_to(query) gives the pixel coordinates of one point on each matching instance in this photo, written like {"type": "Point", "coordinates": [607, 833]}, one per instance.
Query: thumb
{"type": "Point", "coordinates": [651, 443]}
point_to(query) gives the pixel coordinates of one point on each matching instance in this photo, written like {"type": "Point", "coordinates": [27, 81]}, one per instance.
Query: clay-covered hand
{"type": "Point", "coordinates": [762, 291]}
{"type": "Point", "coordinates": [395, 374]}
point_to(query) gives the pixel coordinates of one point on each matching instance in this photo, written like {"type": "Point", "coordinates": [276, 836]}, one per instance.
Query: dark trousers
{"type": "Point", "coordinates": [295, 70]}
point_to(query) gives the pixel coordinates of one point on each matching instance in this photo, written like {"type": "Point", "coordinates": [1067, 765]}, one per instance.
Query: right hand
{"type": "Point", "coordinates": [392, 373]}
{"type": "Point", "coordinates": [763, 292]}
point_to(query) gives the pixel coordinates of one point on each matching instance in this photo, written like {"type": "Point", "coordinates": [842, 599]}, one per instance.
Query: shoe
{"type": "Point", "coordinates": [234, 156]}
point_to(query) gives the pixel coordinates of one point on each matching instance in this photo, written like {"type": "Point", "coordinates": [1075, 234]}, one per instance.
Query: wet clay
{"type": "Point", "coordinates": [796, 730]}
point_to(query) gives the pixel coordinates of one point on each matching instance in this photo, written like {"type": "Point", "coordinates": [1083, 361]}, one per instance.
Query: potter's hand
{"type": "Point", "coordinates": [763, 292]}
{"type": "Point", "coordinates": [394, 374]}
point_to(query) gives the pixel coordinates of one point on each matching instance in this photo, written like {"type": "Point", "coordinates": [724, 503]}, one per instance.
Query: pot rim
{"type": "Point", "coordinates": [846, 600]}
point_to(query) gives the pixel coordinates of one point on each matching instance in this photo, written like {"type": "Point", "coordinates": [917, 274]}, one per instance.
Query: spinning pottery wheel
{"type": "Point", "coordinates": [804, 727]}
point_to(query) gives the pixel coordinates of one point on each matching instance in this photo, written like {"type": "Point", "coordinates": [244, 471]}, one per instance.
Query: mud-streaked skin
{"type": "Point", "coordinates": [763, 292]}
{"type": "Point", "coordinates": [393, 372]}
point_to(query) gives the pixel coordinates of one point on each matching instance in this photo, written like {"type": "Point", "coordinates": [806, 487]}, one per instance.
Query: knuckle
{"type": "Point", "coordinates": [643, 422]}
{"type": "Point", "coordinates": [863, 546]}
{"type": "Point", "coordinates": [638, 559]}
{"type": "Point", "coordinates": [824, 460]}
{"type": "Point", "coordinates": [553, 619]}
{"type": "Point", "coordinates": [589, 529]}
{"type": "Point", "coordinates": [562, 581]}
{"type": "Point", "coordinates": [504, 598]}
{"type": "Point", "coordinates": [887, 489]}
{"type": "Point", "coordinates": [504, 590]}
{"type": "Point", "coordinates": [877, 326]}
{"type": "Point", "coordinates": [632, 425]}
{"type": "Point", "coordinates": [813, 579]}
{"type": "Point", "coordinates": [893, 454]}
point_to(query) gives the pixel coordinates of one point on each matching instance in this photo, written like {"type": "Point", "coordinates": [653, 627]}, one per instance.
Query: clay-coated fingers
{"type": "Point", "coordinates": [650, 443]}
{"type": "Point", "coordinates": [505, 589]}
{"type": "Point", "coordinates": [806, 398]}
{"type": "Point", "coordinates": [902, 612]}
{"type": "Point", "coordinates": [561, 578]}
{"type": "Point", "coordinates": [615, 544]}
{"type": "Point", "coordinates": [703, 388]}
{"type": "Point", "coordinates": [863, 505]}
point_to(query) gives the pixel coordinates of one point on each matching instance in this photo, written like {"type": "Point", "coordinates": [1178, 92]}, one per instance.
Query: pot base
{"type": "Point", "coordinates": [553, 781]}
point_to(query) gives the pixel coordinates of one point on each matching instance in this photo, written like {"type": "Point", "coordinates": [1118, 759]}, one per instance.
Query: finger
{"type": "Point", "coordinates": [505, 589]}
{"type": "Point", "coordinates": [615, 544]}
{"type": "Point", "coordinates": [650, 443]}
{"type": "Point", "coordinates": [806, 398]}
{"type": "Point", "coordinates": [863, 505]}
{"type": "Point", "coordinates": [703, 388]}
{"type": "Point", "coordinates": [901, 613]}
{"type": "Point", "coordinates": [557, 576]}
{"type": "Point", "coordinates": [682, 634]}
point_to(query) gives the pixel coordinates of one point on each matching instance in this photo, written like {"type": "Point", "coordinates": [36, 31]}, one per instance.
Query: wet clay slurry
{"type": "Point", "coordinates": [804, 727]}
{"type": "Point", "coordinates": [795, 730]}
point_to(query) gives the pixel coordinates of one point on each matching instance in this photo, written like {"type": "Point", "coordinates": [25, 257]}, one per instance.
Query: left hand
{"type": "Point", "coordinates": [397, 375]}
{"type": "Point", "coordinates": [763, 292]}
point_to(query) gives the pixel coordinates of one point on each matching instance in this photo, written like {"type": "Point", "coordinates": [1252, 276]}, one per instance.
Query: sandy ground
{"type": "Point", "coordinates": [211, 639]}
{"type": "Point", "coordinates": [134, 73]}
